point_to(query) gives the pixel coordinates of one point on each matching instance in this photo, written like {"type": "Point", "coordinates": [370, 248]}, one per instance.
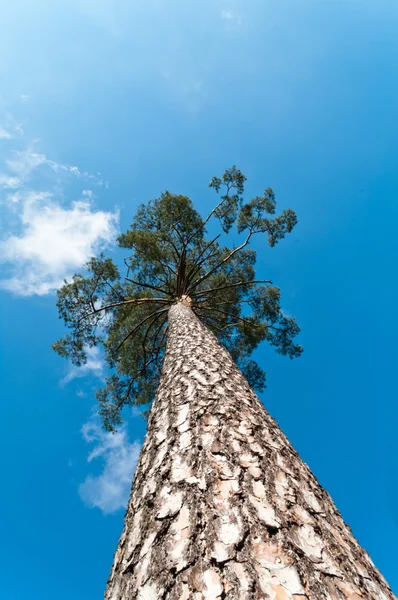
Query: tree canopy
{"type": "Point", "coordinates": [169, 256]}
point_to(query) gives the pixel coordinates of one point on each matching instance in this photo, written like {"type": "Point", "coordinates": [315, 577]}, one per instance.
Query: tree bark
{"type": "Point", "coordinates": [222, 506]}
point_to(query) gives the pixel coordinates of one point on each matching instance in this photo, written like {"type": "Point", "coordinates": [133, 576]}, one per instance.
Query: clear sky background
{"type": "Point", "coordinates": [105, 104]}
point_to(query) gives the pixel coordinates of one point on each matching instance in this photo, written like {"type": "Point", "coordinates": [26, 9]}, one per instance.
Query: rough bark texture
{"type": "Point", "coordinates": [222, 506]}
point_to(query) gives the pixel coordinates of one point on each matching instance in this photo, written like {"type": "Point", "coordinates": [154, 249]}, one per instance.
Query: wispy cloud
{"type": "Point", "coordinates": [93, 366]}
{"type": "Point", "coordinates": [23, 163]}
{"type": "Point", "coordinates": [231, 17]}
{"type": "Point", "coordinates": [10, 128]}
{"type": "Point", "coordinates": [10, 182]}
{"type": "Point", "coordinates": [109, 491]}
{"type": "Point", "coordinates": [4, 134]}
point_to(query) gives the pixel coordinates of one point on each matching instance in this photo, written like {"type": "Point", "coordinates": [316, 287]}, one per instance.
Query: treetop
{"type": "Point", "coordinates": [170, 257]}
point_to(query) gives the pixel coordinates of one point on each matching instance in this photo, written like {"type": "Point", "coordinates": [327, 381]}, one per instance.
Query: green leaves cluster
{"type": "Point", "coordinates": [170, 256]}
{"type": "Point", "coordinates": [252, 219]}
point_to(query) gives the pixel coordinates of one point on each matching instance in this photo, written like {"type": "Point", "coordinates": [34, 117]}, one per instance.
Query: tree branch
{"type": "Point", "coordinates": [196, 264]}
{"type": "Point", "coordinates": [132, 332]}
{"type": "Point", "coordinates": [231, 285]}
{"type": "Point", "coordinates": [206, 321]}
{"type": "Point", "coordinates": [143, 253]}
{"type": "Point", "coordinates": [226, 259]}
{"type": "Point", "coordinates": [229, 315]}
{"type": "Point", "coordinates": [146, 365]}
{"type": "Point", "coordinates": [146, 336]}
{"type": "Point", "coordinates": [113, 290]}
{"type": "Point", "coordinates": [197, 267]}
{"type": "Point", "coordinates": [155, 357]}
{"type": "Point", "coordinates": [177, 253]}
{"type": "Point", "coordinates": [137, 301]}
{"type": "Point", "coordinates": [162, 266]}
{"type": "Point", "coordinates": [151, 287]}
{"type": "Point", "coordinates": [228, 303]}
{"type": "Point", "coordinates": [211, 213]}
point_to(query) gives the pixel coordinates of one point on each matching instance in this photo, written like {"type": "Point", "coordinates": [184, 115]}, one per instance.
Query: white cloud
{"type": "Point", "coordinates": [227, 15]}
{"type": "Point", "coordinates": [4, 134]}
{"type": "Point", "coordinates": [109, 491]}
{"type": "Point", "coordinates": [10, 182]}
{"type": "Point", "coordinates": [15, 197]}
{"type": "Point", "coordinates": [93, 366]}
{"type": "Point", "coordinates": [231, 18]}
{"type": "Point", "coordinates": [53, 242]}
{"type": "Point", "coordinates": [10, 129]}
{"type": "Point", "coordinates": [48, 240]}
{"type": "Point", "coordinates": [24, 162]}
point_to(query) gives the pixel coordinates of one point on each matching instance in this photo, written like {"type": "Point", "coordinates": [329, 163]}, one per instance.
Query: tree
{"type": "Point", "coordinates": [221, 505]}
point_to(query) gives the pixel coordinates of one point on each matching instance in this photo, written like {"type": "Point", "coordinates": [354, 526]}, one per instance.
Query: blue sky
{"type": "Point", "coordinates": [103, 105]}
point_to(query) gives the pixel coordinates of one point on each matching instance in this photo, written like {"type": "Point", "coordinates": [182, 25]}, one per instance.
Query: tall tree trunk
{"type": "Point", "coordinates": [222, 506]}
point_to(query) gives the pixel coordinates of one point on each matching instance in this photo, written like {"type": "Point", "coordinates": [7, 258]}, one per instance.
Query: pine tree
{"type": "Point", "coordinates": [221, 504]}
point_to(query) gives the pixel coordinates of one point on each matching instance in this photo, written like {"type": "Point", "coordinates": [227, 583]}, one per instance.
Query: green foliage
{"type": "Point", "coordinates": [252, 219]}
{"type": "Point", "coordinates": [227, 209]}
{"type": "Point", "coordinates": [169, 257]}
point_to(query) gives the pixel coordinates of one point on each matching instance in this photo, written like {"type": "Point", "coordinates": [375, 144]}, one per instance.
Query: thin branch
{"type": "Point", "coordinates": [155, 357]}
{"type": "Point", "coordinates": [213, 320]}
{"type": "Point", "coordinates": [197, 263]}
{"type": "Point", "coordinates": [159, 330]}
{"type": "Point", "coordinates": [132, 332]}
{"type": "Point", "coordinates": [162, 339]}
{"type": "Point", "coordinates": [198, 266]}
{"type": "Point", "coordinates": [169, 241]}
{"type": "Point", "coordinates": [207, 321]}
{"type": "Point", "coordinates": [228, 303]}
{"type": "Point", "coordinates": [137, 301]}
{"type": "Point", "coordinates": [230, 285]}
{"type": "Point", "coordinates": [208, 246]}
{"type": "Point", "coordinates": [156, 259]}
{"type": "Point", "coordinates": [167, 275]}
{"type": "Point", "coordinates": [151, 287]}
{"type": "Point", "coordinates": [127, 265]}
{"type": "Point", "coordinates": [94, 290]}
{"type": "Point", "coordinates": [159, 262]}
{"type": "Point", "coordinates": [211, 213]}
{"type": "Point", "coordinates": [231, 325]}
{"type": "Point", "coordinates": [230, 315]}
{"type": "Point", "coordinates": [165, 282]}
{"type": "Point", "coordinates": [226, 259]}
{"type": "Point", "coordinates": [172, 270]}
{"type": "Point", "coordinates": [146, 365]}
{"type": "Point", "coordinates": [160, 345]}
{"type": "Point", "coordinates": [180, 287]}
{"type": "Point", "coordinates": [220, 330]}
{"type": "Point", "coordinates": [143, 344]}
{"type": "Point", "coordinates": [174, 227]}
{"type": "Point", "coordinates": [113, 290]}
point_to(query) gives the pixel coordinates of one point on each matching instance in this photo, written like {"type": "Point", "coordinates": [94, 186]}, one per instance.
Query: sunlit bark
{"type": "Point", "coordinates": [222, 506]}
